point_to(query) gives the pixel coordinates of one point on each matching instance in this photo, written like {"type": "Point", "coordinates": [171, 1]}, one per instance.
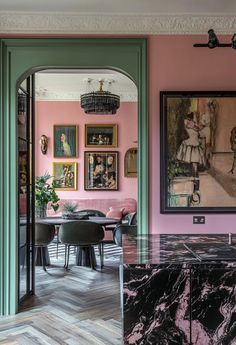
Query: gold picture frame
{"type": "Point", "coordinates": [101, 170]}
{"type": "Point", "coordinates": [101, 135]}
{"type": "Point", "coordinates": [65, 175]}
{"type": "Point", "coordinates": [131, 162]}
{"type": "Point", "coordinates": [65, 141]}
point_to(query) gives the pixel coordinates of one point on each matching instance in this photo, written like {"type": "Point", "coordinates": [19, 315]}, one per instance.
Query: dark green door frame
{"type": "Point", "coordinates": [18, 59]}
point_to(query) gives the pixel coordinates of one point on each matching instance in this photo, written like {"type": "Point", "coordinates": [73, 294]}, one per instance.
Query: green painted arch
{"type": "Point", "coordinates": [22, 57]}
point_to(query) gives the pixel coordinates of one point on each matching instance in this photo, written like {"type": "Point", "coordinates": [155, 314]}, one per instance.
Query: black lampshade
{"type": "Point", "coordinates": [100, 102]}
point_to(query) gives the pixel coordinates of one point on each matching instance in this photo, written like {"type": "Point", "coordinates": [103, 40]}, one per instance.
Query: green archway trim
{"type": "Point", "coordinates": [20, 58]}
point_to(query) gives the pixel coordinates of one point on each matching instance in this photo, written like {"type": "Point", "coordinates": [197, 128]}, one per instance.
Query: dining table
{"type": "Point", "coordinates": [57, 221]}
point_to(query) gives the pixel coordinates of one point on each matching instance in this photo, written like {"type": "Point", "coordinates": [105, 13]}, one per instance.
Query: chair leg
{"type": "Point", "coordinates": [68, 257]}
{"type": "Point", "coordinates": [57, 242]}
{"type": "Point", "coordinates": [65, 255]}
{"type": "Point", "coordinates": [101, 253]}
{"type": "Point", "coordinates": [43, 258]}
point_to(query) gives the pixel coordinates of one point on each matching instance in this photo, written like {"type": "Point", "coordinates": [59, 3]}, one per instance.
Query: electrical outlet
{"type": "Point", "coordinates": [198, 219]}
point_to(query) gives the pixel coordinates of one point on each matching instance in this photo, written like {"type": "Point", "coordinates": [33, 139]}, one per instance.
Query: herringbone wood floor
{"type": "Point", "coordinates": [79, 307]}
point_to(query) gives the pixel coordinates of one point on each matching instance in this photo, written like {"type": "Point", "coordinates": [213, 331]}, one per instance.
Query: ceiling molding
{"type": "Point", "coordinates": [73, 23]}
{"type": "Point", "coordinates": [42, 95]}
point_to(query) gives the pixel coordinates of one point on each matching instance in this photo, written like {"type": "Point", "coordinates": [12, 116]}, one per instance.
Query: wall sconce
{"type": "Point", "coordinates": [213, 41]}
{"type": "Point", "coordinates": [44, 144]}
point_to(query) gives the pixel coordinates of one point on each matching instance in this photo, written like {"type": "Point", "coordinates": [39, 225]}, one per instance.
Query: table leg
{"type": "Point", "coordinates": [85, 256]}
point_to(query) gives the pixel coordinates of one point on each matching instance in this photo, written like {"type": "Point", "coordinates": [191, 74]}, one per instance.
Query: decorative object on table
{"type": "Point", "coordinates": [100, 102]}
{"type": "Point", "coordinates": [101, 135]}
{"type": "Point", "coordinates": [101, 170]}
{"type": "Point", "coordinates": [65, 141]}
{"type": "Point", "coordinates": [197, 152]}
{"type": "Point", "coordinates": [69, 207]}
{"type": "Point", "coordinates": [45, 193]}
{"type": "Point", "coordinates": [131, 162]}
{"type": "Point", "coordinates": [43, 144]}
{"type": "Point", "coordinates": [65, 175]}
{"type": "Point", "coordinates": [75, 216]}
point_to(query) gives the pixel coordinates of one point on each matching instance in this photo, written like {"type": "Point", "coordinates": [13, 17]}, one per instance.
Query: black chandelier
{"type": "Point", "coordinates": [100, 102]}
{"type": "Point", "coordinates": [213, 41]}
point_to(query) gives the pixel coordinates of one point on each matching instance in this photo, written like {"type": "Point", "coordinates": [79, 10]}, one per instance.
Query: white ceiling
{"type": "Point", "coordinates": [67, 85]}
{"type": "Point", "coordinates": [121, 6]}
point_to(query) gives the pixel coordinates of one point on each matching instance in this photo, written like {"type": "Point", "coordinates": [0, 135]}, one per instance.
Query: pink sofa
{"type": "Point", "coordinates": [103, 205]}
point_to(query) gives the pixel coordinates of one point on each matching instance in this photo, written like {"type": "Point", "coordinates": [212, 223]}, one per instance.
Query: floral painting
{"type": "Point", "coordinates": [65, 175]}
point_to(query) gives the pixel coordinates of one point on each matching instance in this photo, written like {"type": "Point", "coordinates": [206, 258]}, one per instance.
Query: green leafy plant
{"type": "Point", "coordinates": [45, 193]}
{"type": "Point", "coordinates": [69, 207]}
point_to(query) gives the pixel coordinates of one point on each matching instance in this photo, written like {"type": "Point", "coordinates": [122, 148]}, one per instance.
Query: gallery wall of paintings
{"type": "Point", "coordinates": [88, 153]}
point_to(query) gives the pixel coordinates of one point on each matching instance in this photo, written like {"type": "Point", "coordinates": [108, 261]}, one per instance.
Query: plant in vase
{"type": "Point", "coordinates": [45, 193]}
{"type": "Point", "coordinates": [68, 209]}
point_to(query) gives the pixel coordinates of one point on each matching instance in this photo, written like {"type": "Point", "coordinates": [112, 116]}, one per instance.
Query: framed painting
{"type": "Point", "coordinates": [101, 170]}
{"type": "Point", "coordinates": [104, 135]}
{"type": "Point", "coordinates": [198, 152]}
{"type": "Point", "coordinates": [131, 162]}
{"type": "Point", "coordinates": [65, 175]}
{"type": "Point", "coordinates": [65, 141]}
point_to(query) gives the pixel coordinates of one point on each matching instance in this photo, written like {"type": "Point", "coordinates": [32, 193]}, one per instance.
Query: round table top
{"type": "Point", "coordinates": [58, 220]}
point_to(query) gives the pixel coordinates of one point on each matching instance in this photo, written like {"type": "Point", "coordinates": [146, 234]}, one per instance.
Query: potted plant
{"type": "Point", "coordinates": [45, 193]}
{"type": "Point", "coordinates": [69, 208]}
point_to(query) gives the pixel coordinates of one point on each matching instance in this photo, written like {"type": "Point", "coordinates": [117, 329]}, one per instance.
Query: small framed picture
{"type": "Point", "coordinates": [101, 135]}
{"type": "Point", "coordinates": [131, 162]}
{"type": "Point", "coordinates": [101, 170]}
{"type": "Point", "coordinates": [65, 140]}
{"type": "Point", "coordinates": [65, 175]}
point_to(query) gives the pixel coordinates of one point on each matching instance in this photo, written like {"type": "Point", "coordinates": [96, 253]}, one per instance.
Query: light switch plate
{"type": "Point", "coordinates": [198, 219]}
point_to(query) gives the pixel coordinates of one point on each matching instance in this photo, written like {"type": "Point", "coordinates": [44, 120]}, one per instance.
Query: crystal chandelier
{"type": "Point", "coordinates": [100, 102]}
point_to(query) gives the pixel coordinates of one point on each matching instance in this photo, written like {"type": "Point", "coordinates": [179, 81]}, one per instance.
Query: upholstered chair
{"type": "Point", "coordinates": [84, 235]}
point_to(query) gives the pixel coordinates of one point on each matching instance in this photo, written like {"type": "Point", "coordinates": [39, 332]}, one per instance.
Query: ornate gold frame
{"type": "Point", "coordinates": [114, 135]}
{"type": "Point", "coordinates": [75, 169]}
{"type": "Point", "coordinates": [76, 140]}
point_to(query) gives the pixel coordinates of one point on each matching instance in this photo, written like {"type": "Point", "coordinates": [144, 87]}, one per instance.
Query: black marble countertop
{"type": "Point", "coordinates": [179, 249]}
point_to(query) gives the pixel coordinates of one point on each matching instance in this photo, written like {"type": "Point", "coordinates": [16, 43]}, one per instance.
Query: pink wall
{"type": "Point", "coordinates": [49, 113]}
{"type": "Point", "coordinates": [175, 65]}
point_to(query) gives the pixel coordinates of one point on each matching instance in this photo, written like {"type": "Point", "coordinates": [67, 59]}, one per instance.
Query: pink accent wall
{"type": "Point", "coordinates": [175, 65]}
{"type": "Point", "coordinates": [49, 113]}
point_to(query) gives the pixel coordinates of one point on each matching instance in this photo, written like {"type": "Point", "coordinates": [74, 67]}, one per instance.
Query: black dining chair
{"type": "Point", "coordinates": [83, 235]}
{"type": "Point", "coordinates": [122, 229]}
{"type": "Point", "coordinates": [91, 213]}
{"type": "Point", "coordinates": [44, 234]}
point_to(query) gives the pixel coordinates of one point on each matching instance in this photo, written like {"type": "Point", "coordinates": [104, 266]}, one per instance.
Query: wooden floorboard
{"type": "Point", "coordinates": [78, 307]}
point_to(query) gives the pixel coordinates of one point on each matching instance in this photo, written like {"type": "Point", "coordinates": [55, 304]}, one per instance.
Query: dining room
{"type": "Point", "coordinates": [85, 172]}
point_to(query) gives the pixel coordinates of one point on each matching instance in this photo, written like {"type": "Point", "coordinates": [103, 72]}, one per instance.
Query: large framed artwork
{"type": "Point", "coordinates": [65, 141]}
{"type": "Point", "coordinates": [65, 175]}
{"type": "Point", "coordinates": [101, 135]}
{"type": "Point", "coordinates": [198, 152]}
{"type": "Point", "coordinates": [101, 170]}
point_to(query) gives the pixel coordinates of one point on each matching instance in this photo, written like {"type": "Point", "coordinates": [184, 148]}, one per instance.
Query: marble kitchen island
{"type": "Point", "coordinates": [179, 290]}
